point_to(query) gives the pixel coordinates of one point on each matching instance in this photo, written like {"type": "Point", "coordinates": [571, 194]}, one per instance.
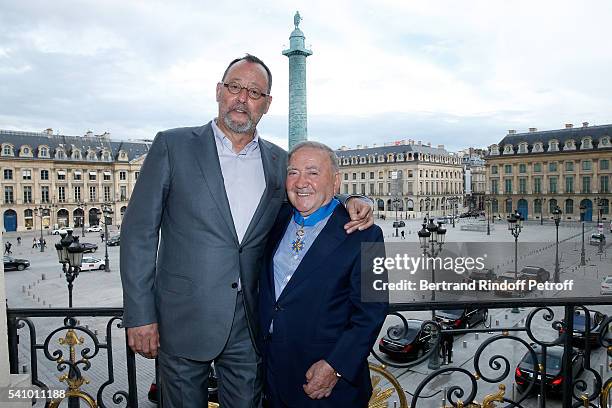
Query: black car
{"type": "Point", "coordinates": [88, 247]}
{"type": "Point", "coordinates": [405, 345]}
{"type": "Point", "coordinates": [399, 224]}
{"type": "Point", "coordinates": [525, 374]}
{"type": "Point", "coordinates": [11, 263]}
{"type": "Point", "coordinates": [519, 291]}
{"type": "Point", "coordinates": [596, 320]}
{"type": "Point", "coordinates": [536, 273]}
{"type": "Point", "coordinates": [114, 241]}
{"type": "Point", "coordinates": [461, 318]}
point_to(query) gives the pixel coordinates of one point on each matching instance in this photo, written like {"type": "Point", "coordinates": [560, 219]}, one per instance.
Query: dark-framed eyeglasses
{"type": "Point", "coordinates": [235, 88]}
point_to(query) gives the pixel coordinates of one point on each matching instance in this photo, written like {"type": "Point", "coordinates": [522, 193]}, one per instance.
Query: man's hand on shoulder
{"type": "Point", "coordinates": [362, 216]}
{"type": "Point", "coordinates": [321, 378]}
{"type": "Point", "coordinates": [144, 340]}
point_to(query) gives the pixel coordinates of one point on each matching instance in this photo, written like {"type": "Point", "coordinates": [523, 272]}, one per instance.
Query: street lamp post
{"type": "Point", "coordinates": [582, 254]}
{"type": "Point", "coordinates": [488, 201]}
{"type": "Point", "coordinates": [70, 255]}
{"type": "Point", "coordinates": [40, 212]}
{"type": "Point", "coordinates": [107, 211]}
{"type": "Point", "coordinates": [515, 225]}
{"type": "Point", "coordinates": [431, 238]}
{"type": "Point", "coordinates": [427, 202]}
{"type": "Point", "coordinates": [541, 211]}
{"type": "Point", "coordinates": [557, 218]}
{"type": "Point", "coordinates": [81, 205]}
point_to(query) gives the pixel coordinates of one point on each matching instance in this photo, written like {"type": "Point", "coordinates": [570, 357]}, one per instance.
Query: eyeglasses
{"type": "Point", "coordinates": [235, 88]}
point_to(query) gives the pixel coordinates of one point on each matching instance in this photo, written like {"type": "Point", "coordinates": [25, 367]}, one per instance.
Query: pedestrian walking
{"type": "Point", "coordinates": [403, 236]}
{"type": "Point", "coordinates": [19, 241]}
{"type": "Point", "coordinates": [7, 248]}
{"type": "Point", "coordinates": [102, 236]}
{"type": "Point", "coordinates": [34, 243]}
{"type": "Point", "coordinates": [43, 243]}
{"type": "Point", "coordinates": [446, 348]}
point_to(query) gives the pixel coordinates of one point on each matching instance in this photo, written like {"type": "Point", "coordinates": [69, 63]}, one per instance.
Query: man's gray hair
{"type": "Point", "coordinates": [319, 146]}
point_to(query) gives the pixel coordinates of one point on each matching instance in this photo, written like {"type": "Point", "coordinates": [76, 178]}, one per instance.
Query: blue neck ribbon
{"type": "Point", "coordinates": [321, 213]}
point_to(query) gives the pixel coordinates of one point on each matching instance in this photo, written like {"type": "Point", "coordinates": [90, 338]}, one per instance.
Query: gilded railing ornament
{"type": "Point", "coordinates": [73, 377]}
{"type": "Point", "coordinates": [380, 397]}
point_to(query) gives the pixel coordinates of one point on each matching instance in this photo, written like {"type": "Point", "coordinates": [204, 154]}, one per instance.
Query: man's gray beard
{"type": "Point", "coordinates": [237, 128]}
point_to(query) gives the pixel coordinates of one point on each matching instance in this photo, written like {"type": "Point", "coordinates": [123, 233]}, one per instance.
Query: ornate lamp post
{"type": "Point", "coordinates": [541, 210]}
{"type": "Point", "coordinates": [515, 226]}
{"type": "Point", "coordinates": [70, 255]}
{"type": "Point", "coordinates": [40, 212]}
{"type": "Point", "coordinates": [431, 238]}
{"type": "Point", "coordinates": [488, 201]}
{"type": "Point", "coordinates": [582, 254]}
{"type": "Point", "coordinates": [107, 211]}
{"type": "Point", "coordinates": [557, 218]}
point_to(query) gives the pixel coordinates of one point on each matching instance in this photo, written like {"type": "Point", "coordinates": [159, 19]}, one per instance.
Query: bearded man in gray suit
{"type": "Point", "coordinates": [192, 241]}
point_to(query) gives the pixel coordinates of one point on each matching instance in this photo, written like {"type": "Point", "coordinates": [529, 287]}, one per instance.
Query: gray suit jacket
{"type": "Point", "coordinates": [188, 284]}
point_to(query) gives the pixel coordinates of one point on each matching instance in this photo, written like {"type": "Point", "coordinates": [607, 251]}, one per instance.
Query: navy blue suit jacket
{"type": "Point", "coordinates": [320, 315]}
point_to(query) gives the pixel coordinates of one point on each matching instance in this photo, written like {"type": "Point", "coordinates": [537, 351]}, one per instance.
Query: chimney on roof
{"type": "Point", "coordinates": [343, 148]}
{"type": "Point", "coordinates": [374, 145]}
{"type": "Point", "coordinates": [89, 133]}
{"type": "Point", "coordinates": [585, 124]}
{"type": "Point", "coordinates": [512, 132]}
{"type": "Point", "coordinates": [419, 142]}
{"type": "Point", "coordinates": [429, 144]}
{"type": "Point", "coordinates": [531, 130]}
{"type": "Point", "coordinates": [49, 131]}
{"type": "Point", "coordinates": [440, 146]}
{"type": "Point", "coordinates": [569, 125]}
{"type": "Point", "coordinates": [358, 146]}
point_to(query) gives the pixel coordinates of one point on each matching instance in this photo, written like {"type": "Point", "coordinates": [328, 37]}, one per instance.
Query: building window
{"type": "Point", "coordinates": [136, 174]}
{"type": "Point", "coordinates": [61, 175]}
{"type": "Point", "coordinates": [27, 194]}
{"type": "Point", "coordinates": [7, 150]}
{"type": "Point", "coordinates": [8, 195]}
{"type": "Point", "coordinates": [123, 191]}
{"type": "Point", "coordinates": [92, 193]}
{"type": "Point", "coordinates": [604, 187]}
{"type": "Point", "coordinates": [380, 188]}
{"type": "Point", "coordinates": [586, 184]}
{"type": "Point", "coordinates": [553, 185]}
{"type": "Point", "coordinates": [604, 164]}
{"type": "Point", "coordinates": [107, 193]}
{"type": "Point", "coordinates": [537, 167]}
{"type": "Point", "coordinates": [92, 176]}
{"type": "Point", "coordinates": [77, 193]}
{"type": "Point", "coordinates": [508, 169]}
{"type": "Point", "coordinates": [508, 206]}
{"type": "Point", "coordinates": [363, 176]}
{"type": "Point", "coordinates": [28, 216]}
{"type": "Point", "coordinates": [363, 189]}
{"type": "Point", "coordinates": [371, 175]}
{"type": "Point", "coordinates": [569, 166]}
{"type": "Point", "coordinates": [537, 185]}
{"type": "Point", "coordinates": [371, 189]}
{"type": "Point", "coordinates": [107, 176]}
{"type": "Point", "coordinates": [44, 174]}
{"type": "Point", "coordinates": [76, 155]}
{"type": "Point", "coordinates": [587, 165]}
{"type": "Point", "coordinates": [494, 187]}
{"type": "Point", "coordinates": [27, 174]}
{"type": "Point", "coordinates": [345, 189]}
{"type": "Point", "coordinates": [354, 176]}
{"type": "Point", "coordinates": [60, 155]}
{"type": "Point", "coordinates": [586, 144]}
{"type": "Point", "coordinates": [508, 186]}
{"type": "Point", "coordinates": [354, 189]}
{"type": "Point", "coordinates": [523, 185]}
{"type": "Point", "coordinates": [61, 194]}
{"type": "Point", "coordinates": [552, 167]}
{"type": "Point", "coordinates": [122, 175]}
{"type": "Point", "coordinates": [8, 174]}
{"type": "Point", "coordinates": [537, 206]}
{"type": "Point", "coordinates": [44, 194]}
{"type": "Point", "coordinates": [605, 206]}
{"type": "Point", "coordinates": [78, 175]}
{"type": "Point", "coordinates": [569, 206]}
{"type": "Point", "coordinates": [522, 168]}
{"type": "Point", "coordinates": [569, 184]}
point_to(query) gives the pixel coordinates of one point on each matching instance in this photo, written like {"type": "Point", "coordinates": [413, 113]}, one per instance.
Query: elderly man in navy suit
{"type": "Point", "coordinates": [316, 329]}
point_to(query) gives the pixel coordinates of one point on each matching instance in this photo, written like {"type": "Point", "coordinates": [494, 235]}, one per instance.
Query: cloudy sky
{"type": "Point", "coordinates": [458, 73]}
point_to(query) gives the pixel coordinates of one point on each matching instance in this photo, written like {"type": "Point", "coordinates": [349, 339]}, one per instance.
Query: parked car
{"type": "Point", "coordinates": [461, 318]}
{"type": "Point", "coordinates": [399, 224]}
{"type": "Point", "coordinates": [579, 336]}
{"type": "Point", "coordinates": [89, 247]}
{"type": "Point", "coordinates": [481, 274]}
{"type": "Point", "coordinates": [95, 228]}
{"type": "Point", "coordinates": [525, 373]}
{"type": "Point", "coordinates": [509, 277]}
{"type": "Point", "coordinates": [407, 345]}
{"type": "Point", "coordinates": [536, 273]}
{"type": "Point", "coordinates": [606, 286]}
{"type": "Point", "coordinates": [61, 231]}
{"type": "Point", "coordinates": [114, 241]}
{"type": "Point", "coordinates": [597, 239]}
{"type": "Point", "coordinates": [92, 264]}
{"type": "Point", "coordinates": [11, 263]}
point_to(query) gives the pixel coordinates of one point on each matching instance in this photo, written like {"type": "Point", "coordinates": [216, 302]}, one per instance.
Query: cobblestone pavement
{"type": "Point", "coordinates": [28, 289]}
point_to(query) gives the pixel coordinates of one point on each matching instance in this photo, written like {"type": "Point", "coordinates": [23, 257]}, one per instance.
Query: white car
{"type": "Point", "coordinates": [61, 231]}
{"type": "Point", "coordinates": [95, 228]}
{"type": "Point", "coordinates": [606, 286]}
{"type": "Point", "coordinates": [92, 264]}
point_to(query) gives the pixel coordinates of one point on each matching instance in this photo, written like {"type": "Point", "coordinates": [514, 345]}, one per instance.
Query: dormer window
{"type": "Point", "coordinates": [43, 151]}
{"type": "Point", "coordinates": [400, 157]}
{"type": "Point", "coordinates": [106, 156]}
{"type": "Point", "coordinates": [523, 147]}
{"type": "Point", "coordinates": [76, 154]}
{"type": "Point", "coordinates": [553, 146]}
{"type": "Point", "coordinates": [604, 142]}
{"type": "Point", "coordinates": [91, 155]}
{"type": "Point", "coordinates": [508, 149]}
{"type": "Point", "coordinates": [569, 145]}
{"type": "Point", "coordinates": [586, 143]}
{"type": "Point", "coordinates": [345, 161]}
{"type": "Point", "coordinates": [390, 157]}
{"type": "Point", "coordinates": [381, 158]}
{"type": "Point", "coordinates": [59, 154]}
{"type": "Point", "coordinates": [537, 148]}
{"type": "Point", "coordinates": [25, 151]}
{"type": "Point", "coordinates": [371, 159]}
{"type": "Point", "coordinates": [7, 150]}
